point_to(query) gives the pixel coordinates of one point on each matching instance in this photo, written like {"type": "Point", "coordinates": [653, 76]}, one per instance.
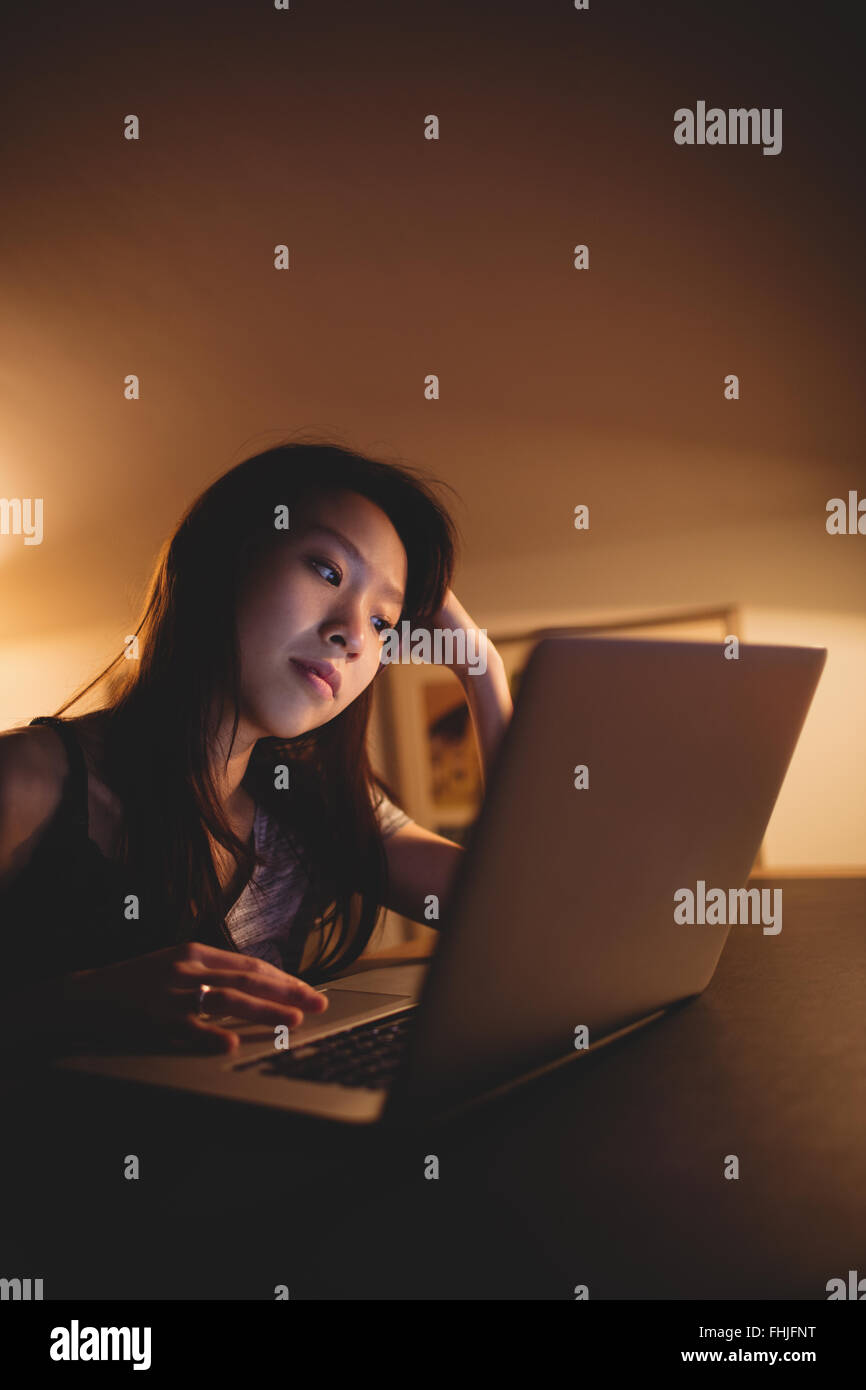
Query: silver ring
{"type": "Point", "coordinates": [202, 991]}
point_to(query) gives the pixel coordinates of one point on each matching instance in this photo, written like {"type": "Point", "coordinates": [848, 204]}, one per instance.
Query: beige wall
{"type": "Point", "coordinates": [820, 816]}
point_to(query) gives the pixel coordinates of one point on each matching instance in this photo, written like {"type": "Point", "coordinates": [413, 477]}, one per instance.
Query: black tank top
{"type": "Point", "coordinates": [72, 908]}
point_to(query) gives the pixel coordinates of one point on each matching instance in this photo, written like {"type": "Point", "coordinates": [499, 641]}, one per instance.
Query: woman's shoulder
{"type": "Point", "coordinates": [37, 753]}
{"type": "Point", "coordinates": [390, 816]}
{"type": "Point", "coordinates": [33, 759]}
{"type": "Point", "coordinates": [33, 771]}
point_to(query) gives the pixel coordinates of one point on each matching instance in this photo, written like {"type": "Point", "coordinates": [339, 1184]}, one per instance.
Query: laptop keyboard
{"type": "Point", "coordinates": [367, 1055]}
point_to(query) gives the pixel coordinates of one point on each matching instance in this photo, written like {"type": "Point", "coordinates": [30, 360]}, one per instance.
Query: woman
{"type": "Point", "coordinates": [214, 831]}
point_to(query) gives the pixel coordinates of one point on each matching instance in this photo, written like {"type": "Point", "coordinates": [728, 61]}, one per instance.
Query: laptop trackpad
{"type": "Point", "coordinates": [345, 1006]}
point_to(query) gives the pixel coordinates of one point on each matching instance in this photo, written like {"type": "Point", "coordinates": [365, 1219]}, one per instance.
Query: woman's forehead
{"type": "Point", "coordinates": [362, 528]}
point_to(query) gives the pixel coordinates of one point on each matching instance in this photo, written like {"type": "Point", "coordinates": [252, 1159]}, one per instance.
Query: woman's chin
{"type": "Point", "coordinates": [285, 725]}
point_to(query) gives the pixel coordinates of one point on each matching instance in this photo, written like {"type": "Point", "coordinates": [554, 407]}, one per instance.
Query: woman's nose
{"type": "Point", "coordinates": [346, 636]}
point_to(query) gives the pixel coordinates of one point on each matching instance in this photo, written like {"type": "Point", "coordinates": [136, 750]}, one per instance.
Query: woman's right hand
{"type": "Point", "coordinates": [154, 998]}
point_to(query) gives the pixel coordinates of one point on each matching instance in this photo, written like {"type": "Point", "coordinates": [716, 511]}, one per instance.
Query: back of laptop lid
{"type": "Point", "coordinates": [563, 911]}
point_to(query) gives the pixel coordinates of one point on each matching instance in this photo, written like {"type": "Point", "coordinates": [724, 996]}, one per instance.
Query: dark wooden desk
{"type": "Point", "coordinates": [609, 1173]}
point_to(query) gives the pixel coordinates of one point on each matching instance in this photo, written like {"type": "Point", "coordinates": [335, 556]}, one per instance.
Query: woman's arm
{"type": "Point", "coordinates": [421, 863]}
{"type": "Point", "coordinates": [489, 699]}
{"type": "Point", "coordinates": [481, 672]}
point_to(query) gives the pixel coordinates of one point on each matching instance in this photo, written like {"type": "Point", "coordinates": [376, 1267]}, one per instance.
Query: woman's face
{"type": "Point", "coordinates": [323, 598]}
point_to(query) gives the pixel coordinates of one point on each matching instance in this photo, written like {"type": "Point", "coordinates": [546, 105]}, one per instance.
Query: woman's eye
{"type": "Point", "coordinates": [326, 565]}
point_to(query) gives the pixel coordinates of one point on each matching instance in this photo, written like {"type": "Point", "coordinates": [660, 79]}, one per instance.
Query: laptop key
{"type": "Point", "coordinates": [367, 1055]}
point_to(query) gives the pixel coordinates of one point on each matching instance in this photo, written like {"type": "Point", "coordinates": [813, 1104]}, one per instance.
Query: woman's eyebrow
{"type": "Point", "coordinates": [388, 590]}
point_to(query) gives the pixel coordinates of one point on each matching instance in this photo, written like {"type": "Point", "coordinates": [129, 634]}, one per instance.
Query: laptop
{"type": "Point", "coordinates": [632, 770]}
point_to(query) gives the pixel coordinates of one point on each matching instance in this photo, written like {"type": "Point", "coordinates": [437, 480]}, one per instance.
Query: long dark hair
{"type": "Point", "coordinates": [157, 735]}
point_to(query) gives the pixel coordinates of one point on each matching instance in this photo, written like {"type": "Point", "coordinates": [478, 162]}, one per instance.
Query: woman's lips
{"type": "Point", "coordinates": [318, 683]}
